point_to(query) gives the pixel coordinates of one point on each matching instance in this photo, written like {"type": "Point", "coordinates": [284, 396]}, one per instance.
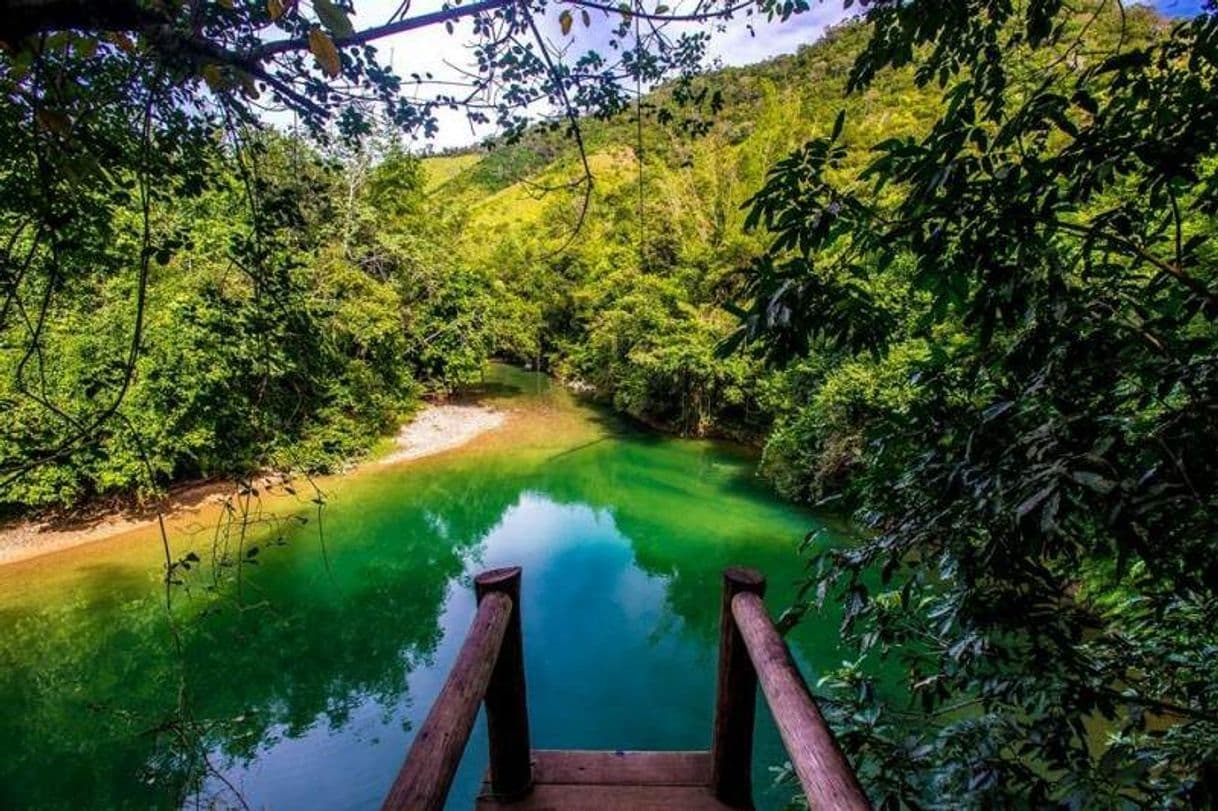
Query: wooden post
{"type": "Point", "coordinates": [507, 714]}
{"type": "Point", "coordinates": [828, 781]}
{"type": "Point", "coordinates": [736, 701]}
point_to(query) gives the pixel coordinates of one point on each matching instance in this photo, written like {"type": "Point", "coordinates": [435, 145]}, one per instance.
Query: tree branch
{"type": "Point", "coordinates": [1131, 247]}
{"type": "Point", "coordinates": [26, 17]}
{"type": "Point", "coordinates": [457, 12]}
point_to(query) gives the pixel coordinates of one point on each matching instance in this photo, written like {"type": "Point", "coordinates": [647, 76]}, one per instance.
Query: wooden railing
{"type": "Point", "coordinates": [750, 650]}
{"type": "Point", "coordinates": [490, 669]}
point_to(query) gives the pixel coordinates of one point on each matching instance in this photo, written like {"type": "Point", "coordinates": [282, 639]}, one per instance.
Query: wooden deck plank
{"type": "Point", "coordinates": [575, 797]}
{"type": "Point", "coordinates": [622, 768]}
{"type": "Point", "coordinates": [595, 781]}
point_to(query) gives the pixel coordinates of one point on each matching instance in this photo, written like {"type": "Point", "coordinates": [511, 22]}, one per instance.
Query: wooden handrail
{"type": "Point", "coordinates": [827, 779]}
{"type": "Point", "coordinates": [427, 774]}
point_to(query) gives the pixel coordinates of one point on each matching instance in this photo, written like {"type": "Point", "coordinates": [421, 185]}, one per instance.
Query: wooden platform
{"type": "Point", "coordinates": [490, 671]}
{"type": "Point", "coordinates": [595, 781]}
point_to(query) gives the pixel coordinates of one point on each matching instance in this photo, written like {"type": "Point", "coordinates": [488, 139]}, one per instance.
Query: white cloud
{"type": "Point", "coordinates": [741, 46]}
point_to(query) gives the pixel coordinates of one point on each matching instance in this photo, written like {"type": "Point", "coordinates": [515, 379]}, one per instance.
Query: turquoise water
{"type": "Point", "coordinates": [303, 690]}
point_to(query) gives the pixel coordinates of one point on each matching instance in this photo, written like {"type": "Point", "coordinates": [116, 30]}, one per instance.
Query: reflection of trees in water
{"type": "Point", "coordinates": [685, 526]}
{"type": "Point", "coordinates": [106, 705]}
{"type": "Point", "coordinates": [110, 710]}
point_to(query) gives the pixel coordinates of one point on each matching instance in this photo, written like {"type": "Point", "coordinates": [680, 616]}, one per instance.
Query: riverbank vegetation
{"type": "Point", "coordinates": [950, 267]}
{"type": "Point", "coordinates": [302, 367]}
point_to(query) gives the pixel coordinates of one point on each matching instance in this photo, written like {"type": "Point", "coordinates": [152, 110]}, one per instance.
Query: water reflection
{"type": "Point", "coordinates": [306, 694]}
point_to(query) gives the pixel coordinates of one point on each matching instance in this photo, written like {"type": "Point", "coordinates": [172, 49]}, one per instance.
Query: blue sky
{"type": "Point", "coordinates": [1179, 8]}
{"type": "Point", "coordinates": [442, 54]}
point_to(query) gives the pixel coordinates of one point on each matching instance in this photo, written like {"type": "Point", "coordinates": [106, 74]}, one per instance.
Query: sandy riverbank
{"type": "Point", "coordinates": [439, 428]}
{"type": "Point", "coordinates": [435, 429]}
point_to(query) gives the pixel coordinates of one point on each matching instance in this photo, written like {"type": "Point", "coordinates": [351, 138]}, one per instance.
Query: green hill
{"type": "Point", "coordinates": [630, 301]}
{"type": "Point", "coordinates": [767, 110]}
{"type": "Point", "coordinates": [633, 299]}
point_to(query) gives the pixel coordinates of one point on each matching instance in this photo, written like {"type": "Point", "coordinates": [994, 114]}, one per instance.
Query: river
{"type": "Point", "coordinates": [302, 689]}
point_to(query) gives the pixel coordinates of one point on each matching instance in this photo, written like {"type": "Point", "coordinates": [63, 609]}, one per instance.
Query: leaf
{"type": "Point", "coordinates": [333, 18]}
{"type": "Point", "coordinates": [1086, 101]}
{"type": "Point", "coordinates": [586, 17]}
{"type": "Point", "coordinates": [1094, 481]}
{"type": "Point", "coordinates": [54, 121]}
{"type": "Point", "coordinates": [662, 9]}
{"type": "Point", "coordinates": [1136, 59]}
{"type": "Point", "coordinates": [997, 410]}
{"type": "Point", "coordinates": [564, 22]}
{"type": "Point", "coordinates": [228, 4]}
{"type": "Point", "coordinates": [322, 47]}
{"type": "Point", "coordinates": [122, 41]}
{"type": "Point", "coordinates": [213, 77]}
{"type": "Point", "coordinates": [1036, 498]}
{"type": "Point", "coordinates": [1048, 513]}
{"type": "Point", "coordinates": [274, 8]}
{"type": "Point", "coordinates": [86, 47]}
{"type": "Point", "coordinates": [248, 86]}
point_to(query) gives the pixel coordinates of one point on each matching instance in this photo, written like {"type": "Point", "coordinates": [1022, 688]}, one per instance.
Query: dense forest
{"type": "Point", "coordinates": [397, 275]}
{"type": "Point", "coordinates": [949, 268]}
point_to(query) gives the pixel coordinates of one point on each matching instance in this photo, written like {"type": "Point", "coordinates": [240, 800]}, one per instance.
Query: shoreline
{"type": "Point", "coordinates": [438, 428]}
{"type": "Point", "coordinates": [435, 429]}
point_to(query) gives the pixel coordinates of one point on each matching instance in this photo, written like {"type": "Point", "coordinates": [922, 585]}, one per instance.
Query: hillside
{"type": "Point", "coordinates": [641, 324]}
{"type": "Point", "coordinates": [767, 110]}
{"type": "Point", "coordinates": [636, 304]}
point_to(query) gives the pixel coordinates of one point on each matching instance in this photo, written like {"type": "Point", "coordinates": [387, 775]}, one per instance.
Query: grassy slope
{"type": "Point", "coordinates": [443, 168]}
{"type": "Point", "coordinates": [768, 109]}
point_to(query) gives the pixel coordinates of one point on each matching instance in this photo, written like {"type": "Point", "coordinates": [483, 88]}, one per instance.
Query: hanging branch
{"type": "Point", "coordinates": [40, 457]}
{"type": "Point", "coordinates": [638, 127]}
{"type": "Point", "coordinates": [574, 129]}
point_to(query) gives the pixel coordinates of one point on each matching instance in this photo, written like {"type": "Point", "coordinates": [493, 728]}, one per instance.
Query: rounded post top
{"type": "Point", "coordinates": [506, 579]}
{"type": "Point", "coordinates": [492, 576]}
{"type": "Point", "coordinates": [738, 579]}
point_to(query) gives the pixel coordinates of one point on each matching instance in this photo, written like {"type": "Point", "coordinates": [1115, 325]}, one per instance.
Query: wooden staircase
{"type": "Point", "coordinates": [490, 669]}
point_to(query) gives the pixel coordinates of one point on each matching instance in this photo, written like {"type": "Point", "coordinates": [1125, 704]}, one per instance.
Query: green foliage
{"type": "Point", "coordinates": [642, 324]}
{"type": "Point", "coordinates": [118, 119]}
{"type": "Point", "coordinates": [824, 406]}
{"type": "Point", "coordinates": [1029, 438]}
{"type": "Point", "coordinates": [291, 335]}
{"type": "Point", "coordinates": [978, 308]}
{"type": "Point", "coordinates": [657, 355]}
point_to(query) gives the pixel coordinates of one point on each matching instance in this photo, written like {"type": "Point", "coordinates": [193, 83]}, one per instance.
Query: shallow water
{"type": "Point", "coordinates": [302, 690]}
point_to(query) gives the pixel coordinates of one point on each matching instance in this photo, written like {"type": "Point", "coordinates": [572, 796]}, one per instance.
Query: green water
{"type": "Point", "coordinates": [304, 693]}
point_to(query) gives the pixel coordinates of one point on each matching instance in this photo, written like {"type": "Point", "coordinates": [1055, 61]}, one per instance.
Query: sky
{"type": "Point", "coordinates": [433, 50]}
{"type": "Point", "coordinates": [1179, 8]}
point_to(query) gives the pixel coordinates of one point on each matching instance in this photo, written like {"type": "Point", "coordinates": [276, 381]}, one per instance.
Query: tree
{"type": "Point", "coordinates": [242, 48]}
{"type": "Point", "coordinates": [1042, 510]}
